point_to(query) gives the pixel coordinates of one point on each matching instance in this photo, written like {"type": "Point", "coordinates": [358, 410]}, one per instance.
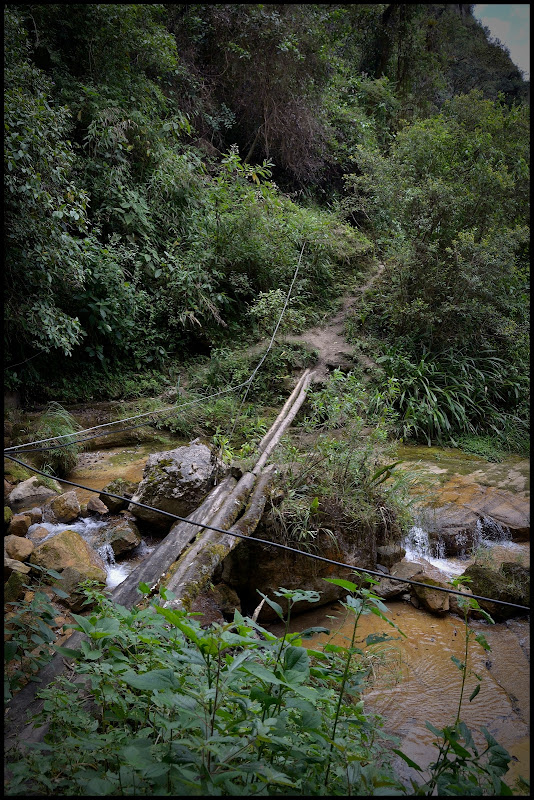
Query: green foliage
{"type": "Point", "coordinates": [57, 422]}
{"type": "Point", "coordinates": [179, 709]}
{"type": "Point", "coordinates": [342, 482]}
{"type": "Point", "coordinates": [443, 396]}
{"type": "Point", "coordinates": [28, 634]}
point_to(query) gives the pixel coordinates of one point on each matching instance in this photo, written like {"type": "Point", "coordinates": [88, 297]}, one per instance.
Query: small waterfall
{"type": "Point", "coordinates": [490, 531]}
{"type": "Point", "coordinates": [116, 572]}
{"type": "Point", "coordinates": [418, 545]}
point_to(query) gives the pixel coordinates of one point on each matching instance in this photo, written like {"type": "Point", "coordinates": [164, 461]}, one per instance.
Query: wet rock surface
{"type": "Point", "coordinates": [176, 481]}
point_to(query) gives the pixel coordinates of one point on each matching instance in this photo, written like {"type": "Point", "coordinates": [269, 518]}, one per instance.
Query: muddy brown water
{"type": "Point", "coordinates": [414, 679]}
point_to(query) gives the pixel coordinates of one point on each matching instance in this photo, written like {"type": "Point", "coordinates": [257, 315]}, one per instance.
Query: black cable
{"type": "Point", "coordinates": [271, 544]}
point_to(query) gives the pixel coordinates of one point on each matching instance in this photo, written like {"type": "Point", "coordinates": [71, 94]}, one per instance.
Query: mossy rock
{"type": "Point", "coordinates": [518, 578]}
{"type": "Point", "coordinates": [489, 583]}
{"type": "Point", "coordinates": [8, 514]}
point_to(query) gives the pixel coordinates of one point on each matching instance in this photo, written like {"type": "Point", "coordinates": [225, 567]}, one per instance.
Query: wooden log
{"type": "Point", "coordinates": [284, 424]}
{"type": "Point", "coordinates": [270, 433]}
{"type": "Point", "coordinates": [212, 548]}
{"type": "Point", "coordinates": [190, 578]}
{"type": "Point", "coordinates": [171, 547]}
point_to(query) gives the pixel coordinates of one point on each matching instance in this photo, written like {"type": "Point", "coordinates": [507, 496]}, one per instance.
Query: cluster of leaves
{"type": "Point", "coordinates": [29, 633]}
{"type": "Point", "coordinates": [441, 397]}
{"type": "Point", "coordinates": [228, 710]}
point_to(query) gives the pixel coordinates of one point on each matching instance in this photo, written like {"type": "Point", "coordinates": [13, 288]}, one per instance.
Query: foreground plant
{"type": "Point", "coordinates": [460, 767]}
{"type": "Point", "coordinates": [161, 706]}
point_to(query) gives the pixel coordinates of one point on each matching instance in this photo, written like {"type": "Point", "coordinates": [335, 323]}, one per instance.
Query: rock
{"type": "Point", "coordinates": [389, 554]}
{"type": "Point", "coordinates": [175, 481]}
{"type": "Point", "coordinates": [455, 602]}
{"type": "Point", "coordinates": [19, 525]}
{"type": "Point", "coordinates": [123, 535]}
{"type": "Point", "coordinates": [38, 534]}
{"type": "Point", "coordinates": [64, 508]}
{"type": "Point", "coordinates": [206, 606]}
{"type": "Point", "coordinates": [18, 547]}
{"type": "Point", "coordinates": [96, 506]}
{"type": "Point", "coordinates": [118, 486]}
{"type": "Point", "coordinates": [12, 565]}
{"type": "Point", "coordinates": [388, 587]}
{"type": "Point", "coordinates": [14, 587]}
{"type": "Point", "coordinates": [32, 492]}
{"type": "Point", "coordinates": [69, 549]}
{"type": "Point", "coordinates": [468, 503]}
{"type": "Point", "coordinates": [35, 514]}
{"type": "Point", "coordinates": [252, 566]}
{"type": "Point", "coordinates": [8, 488]}
{"type": "Point", "coordinates": [69, 582]}
{"type": "Point", "coordinates": [226, 599]}
{"type": "Point", "coordinates": [492, 584]}
{"type": "Point", "coordinates": [434, 601]}
{"type": "Point", "coordinates": [8, 515]}
{"type": "Point", "coordinates": [517, 576]}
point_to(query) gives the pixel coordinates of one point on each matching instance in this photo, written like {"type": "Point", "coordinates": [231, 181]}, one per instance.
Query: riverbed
{"type": "Point", "coordinates": [414, 679]}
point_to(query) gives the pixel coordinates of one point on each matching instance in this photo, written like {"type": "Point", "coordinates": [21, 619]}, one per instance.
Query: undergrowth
{"type": "Point", "coordinates": [231, 710]}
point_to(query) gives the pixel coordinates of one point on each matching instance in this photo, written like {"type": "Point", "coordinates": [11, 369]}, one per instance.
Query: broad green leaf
{"type": "Point", "coordinates": [474, 693]}
{"type": "Point", "coordinates": [408, 760]}
{"type": "Point", "coordinates": [153, 680]}
{"type": "Point", "coordinates": [351, 587]}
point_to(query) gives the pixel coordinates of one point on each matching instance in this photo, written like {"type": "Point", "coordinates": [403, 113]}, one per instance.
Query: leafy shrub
{"type": "Point", "coordinates": [439, 397]}
{"type": "Point", "coordinates": [57, 422]}
{"type": "Point", "coordinates": [229, 710]}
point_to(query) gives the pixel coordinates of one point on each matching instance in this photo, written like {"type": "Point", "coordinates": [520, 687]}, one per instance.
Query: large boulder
{"type": "Point", "coordinates": [500, 585]}
{"type": "Point", "coordinates": [118, 486]}
{"type": "Point", "coordinates": [123, 535]}
{"type": "Point", "coordinates": [69, 549]}
{"type": "Point", "coordinates": [33, 491]}
{"type": "Point", "coordinates": [96, 506]}
{"type": "Point", "coordinates": [65, 508]}
{"type": "Point", "coordinates": [251, 566]}
{"type": "Point", "coordinates": [18, 547]}
{"type": "Point", "coordinates": [431, 599]}
{"type": "Point", "coordinates": [175, 481]}
{"type": "Point", "coordinates": [389, 554]}
{"type": "Point", "coordinates": [19, 525]}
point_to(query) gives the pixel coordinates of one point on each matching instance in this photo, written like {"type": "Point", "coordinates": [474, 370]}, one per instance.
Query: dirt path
{"type": "Point", "coordinates": [329, 339]}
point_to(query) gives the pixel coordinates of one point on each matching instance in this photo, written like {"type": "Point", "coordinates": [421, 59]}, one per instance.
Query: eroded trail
{"type": "Point", "coordinates": [329, 339]}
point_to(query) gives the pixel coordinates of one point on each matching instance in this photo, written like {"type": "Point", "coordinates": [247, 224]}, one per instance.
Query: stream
{"type": "Point", "coordinates": [414, 679]}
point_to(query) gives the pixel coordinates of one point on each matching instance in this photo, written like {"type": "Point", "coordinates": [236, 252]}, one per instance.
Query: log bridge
{"type": "Point", "coordinates": [183, 562]}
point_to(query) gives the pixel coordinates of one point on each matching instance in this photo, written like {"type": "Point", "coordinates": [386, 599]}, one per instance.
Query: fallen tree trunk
{"type": "Point", "coordinates": [276, 424]}
{"type": "Point", "coordinates": [283, 424]}
{"type": "Point", "coordinates": [197, 565]}
{"type": "Point", "coordinates": [171, 547]}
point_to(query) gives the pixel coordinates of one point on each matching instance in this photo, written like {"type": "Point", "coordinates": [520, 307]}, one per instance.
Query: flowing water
{"type": "Point", "coordinates": [91, 530]}
{"type": "Point", "coordinates": [414, 679]}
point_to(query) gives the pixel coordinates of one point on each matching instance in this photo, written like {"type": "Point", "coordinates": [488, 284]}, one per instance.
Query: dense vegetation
{"type": "Point", "coordinates": [165, 164]}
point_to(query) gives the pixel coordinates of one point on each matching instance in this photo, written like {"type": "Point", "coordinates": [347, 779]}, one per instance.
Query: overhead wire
{"type": "Point", "coordinates": [204, 525]}
{"type": "Point", "coordinates": [25, 448]}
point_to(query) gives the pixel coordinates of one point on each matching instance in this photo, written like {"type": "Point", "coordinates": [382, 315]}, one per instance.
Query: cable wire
{"type": "Point", "coordinates": [273, 544]}
{"type": "Point", "coordinates": [26, 446]}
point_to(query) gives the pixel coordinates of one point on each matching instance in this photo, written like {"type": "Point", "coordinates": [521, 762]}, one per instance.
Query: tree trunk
{"type": "Point", "coordinates": [171, 547]}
